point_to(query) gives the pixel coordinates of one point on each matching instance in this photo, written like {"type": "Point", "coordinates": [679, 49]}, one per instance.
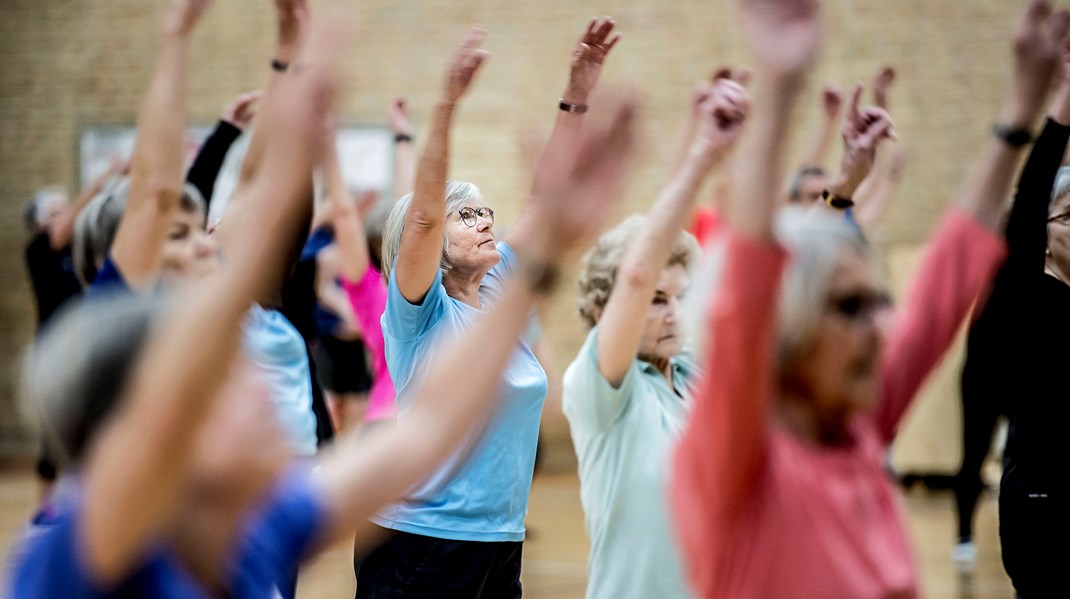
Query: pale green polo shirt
{"type": "Point", "coordinates": [624, 439]}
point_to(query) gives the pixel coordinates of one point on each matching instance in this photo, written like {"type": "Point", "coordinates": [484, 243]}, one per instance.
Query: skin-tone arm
{"type": "Point", "coordinates": [61, 231]}
{"type": "Point", "coordinates": [877, 191]}
{"type": "Point", "coordinates": [863, 130]}
{"type": "Point", "coordinates": [1037, 47]}
{"type": "Point", "coordinates": [587, 60]}
{"type": "Point", "coordinates": [404, 152]}
{"type": "Point", "coordinates": [831, 106]}
{"type": "Point", "coordinates": [138, 468]}
{"type": "Point", "coordinates": [425, 224]}
{"type": "Point", "coordinates": [721, 120]}
{"type": "Point", "coordinates": [358, 477]}
{"type": "Point", "coordinates": [156, 165]}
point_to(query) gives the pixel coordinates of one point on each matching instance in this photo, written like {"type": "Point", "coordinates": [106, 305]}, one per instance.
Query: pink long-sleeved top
{"type": "Point", "coordinates": [368, 298]}
{"type": "Point", "coordinates": [762, 513]}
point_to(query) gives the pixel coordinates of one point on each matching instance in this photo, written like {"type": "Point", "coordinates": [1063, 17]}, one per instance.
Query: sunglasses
{"type": "Point", "coordinates": [859, 305]}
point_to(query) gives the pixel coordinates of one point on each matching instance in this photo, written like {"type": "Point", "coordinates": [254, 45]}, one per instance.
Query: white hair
{"type": "Point", "coordinates": [458, 194]}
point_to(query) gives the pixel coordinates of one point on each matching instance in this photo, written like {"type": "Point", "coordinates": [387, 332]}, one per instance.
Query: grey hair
{"type": "Point", "coordinates": [815, 239]}
{"type": "Point", "coordinates": [34, 211]}
{"type": "Point", "coordinates": [795, 185]}
{"type": "Point", "coordinates": [97, 224]}
{"type": "Point", "coordinates": [458, 193]}
{"type": "Point", "coordinates": [599, 266]}
{"type": "Point", "coordinates": [76, 372]}
{"type": "Point", "coordinates": [1061, 189]}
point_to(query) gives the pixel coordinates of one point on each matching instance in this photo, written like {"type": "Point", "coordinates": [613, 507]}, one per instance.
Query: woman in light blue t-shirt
{"type": "Point", "coordinates": [461, 533]}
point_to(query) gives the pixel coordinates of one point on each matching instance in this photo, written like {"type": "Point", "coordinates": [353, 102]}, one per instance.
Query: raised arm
{"type": "Point", "coordinates": [587, 60]}
{"type": "Point", "coordinates": [425, 224]}
{"type": "Point", "coordinates": [720, 122]}
{"type": "Point", "coordinates": [137, 473]}
{"type": "Point", "coordinates": [62, 229]}
{"type": "Point", "coordinates": [156, 165]}
{"type": "Point", "coordinates": [723, 446]}
{"type": "Point", "coordinates": [863, 130]}
{"type": "Point", "coordinates": [1027, 226]}
{"type": "Point", "coordinates": [205, 168]}
{"type": "Point", "coordinates": [454, 399]}
{"type": "Point", "coordinates": [404, 150]}
{"type": "Point", "coordinates": [962, 258]}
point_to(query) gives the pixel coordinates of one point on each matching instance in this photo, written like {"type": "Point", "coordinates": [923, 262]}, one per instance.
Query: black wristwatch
{"type": "Point", "coordinates": [835, 201]}
{"type": "Point", "coordinates": [1013, 137]}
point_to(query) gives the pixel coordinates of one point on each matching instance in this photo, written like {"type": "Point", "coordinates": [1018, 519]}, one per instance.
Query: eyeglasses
{"type": "Point", "coordinates": [860, 305]}
{"type": "Point", "coordinates": [469, 216]}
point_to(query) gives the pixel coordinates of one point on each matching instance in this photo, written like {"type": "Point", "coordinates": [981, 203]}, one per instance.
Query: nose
{"type": "Point", "coordinates": [672, 312]}
{"type": "Point", "coordinates": [484, 223]}
{"type": "Point", "coordinates": [204, 245]}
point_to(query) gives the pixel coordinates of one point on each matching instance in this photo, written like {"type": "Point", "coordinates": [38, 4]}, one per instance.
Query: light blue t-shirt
{"type": "Point", "coordinates": [624, 438]}
{"type": "Point", "coordinates": [279, 351]}
{"type": "Point", "coordinates": [480, 493]}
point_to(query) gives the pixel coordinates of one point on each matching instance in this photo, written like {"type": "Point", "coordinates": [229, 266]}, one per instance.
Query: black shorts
{"type": "Point", "coordinates": [342, 366]}
{"type": "Point", "coordinates": [416, 566]}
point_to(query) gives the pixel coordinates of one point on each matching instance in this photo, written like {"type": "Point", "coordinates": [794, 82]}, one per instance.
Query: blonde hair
{"type": "Point", "coordinates": [599, 266]}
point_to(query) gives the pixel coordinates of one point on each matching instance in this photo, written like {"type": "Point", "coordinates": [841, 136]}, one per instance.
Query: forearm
{"type": "Point", "coordinates": [984, 192]}
{"type": "Point", "coordinates": [433, 168]}
{"type": "Point", "coordinates": [404, 168]}
{"type": "Point", "coordinates": [61, 232]}
{"type": "Point", "coordinates": [348, 228]}
{"type": "Point", "coordinates": [760, 166]}
{"type": "Point", "coordinates": [1027, 225]}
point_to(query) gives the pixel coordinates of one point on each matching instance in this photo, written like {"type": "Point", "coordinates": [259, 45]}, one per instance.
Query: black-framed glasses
{"type": "Point", "coordinates": [859, 305]}
{"type": "Point", "coordinates": [470, 216]}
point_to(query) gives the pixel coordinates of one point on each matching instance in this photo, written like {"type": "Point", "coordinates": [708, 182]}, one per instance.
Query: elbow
{"type": "Point", "coordinates": [419, 219]}
{"type": "Point", "coordinates": [165, 195]}
{"type": "Point", "coordinates": [634, 275]}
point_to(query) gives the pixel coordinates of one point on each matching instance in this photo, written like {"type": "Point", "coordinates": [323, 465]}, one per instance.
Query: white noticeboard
{"type": "Point", "coordinates": [366, 154]}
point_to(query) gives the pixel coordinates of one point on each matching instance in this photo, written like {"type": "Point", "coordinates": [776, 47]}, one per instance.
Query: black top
{"type": "Point", "coordinates": [52, 274]}
{"type": "Point", "coordinates": [206, 166]}
{"type": "Point", "coordinates": [1019, 346]}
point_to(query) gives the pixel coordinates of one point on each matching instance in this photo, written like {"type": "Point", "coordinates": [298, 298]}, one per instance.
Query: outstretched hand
{"type": "Point", "coordinates": [862, 132]}
{"type": "Point", "coordinates": [240, 112]}
{"type": "Point", "coordinates": [584, 180]}
{"type": "Point", "coordinates": [588, 58]}
{"type": "Point", "coordinates": [1038, 46]}
{"type": "Point", "coordinates": [400, 121]}
{"type": "Point", "coordinates": [464, 64]}
{"type": "Point", "coordinates": [785, 35]}
{"type": "Point", "coordinates": [291, 15]}
{"type": "Point", "coordinates": [722, 114]}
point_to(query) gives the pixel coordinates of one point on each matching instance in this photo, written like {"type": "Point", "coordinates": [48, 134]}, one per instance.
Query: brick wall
{"type": "Point", "coordinates": [69, 63]}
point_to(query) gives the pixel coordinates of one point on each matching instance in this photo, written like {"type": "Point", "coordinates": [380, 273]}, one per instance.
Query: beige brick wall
{"type": "Point", "coordinates": [69, 63]}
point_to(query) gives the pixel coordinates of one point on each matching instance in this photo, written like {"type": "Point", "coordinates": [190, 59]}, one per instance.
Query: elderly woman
{"type": "Point", "coordinates": [461, 533]}
{"type": "Point", "coordinates": [779, 487]}
{"type": "Point", "coordinates": [1014, 352]}
{"type": "Point", "coordinates": [177, 468]}
{"type": "Point", "coordinates": [626, 394]}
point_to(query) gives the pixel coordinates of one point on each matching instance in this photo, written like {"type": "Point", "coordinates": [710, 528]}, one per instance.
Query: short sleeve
{"type": "Point", "coordinates": [108, 280]}
{"type": "Point", "coordinates": [280, 534]}
{"type": "Point", "coordinates": [587, 397]}
{"type": "Point", "coordinates": [47, 564]}
{"type": "Point", "coordinates": [403, 319]}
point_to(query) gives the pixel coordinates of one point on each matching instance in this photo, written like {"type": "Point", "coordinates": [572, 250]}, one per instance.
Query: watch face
{"type": "Point", "coordinates": [1018, 138]}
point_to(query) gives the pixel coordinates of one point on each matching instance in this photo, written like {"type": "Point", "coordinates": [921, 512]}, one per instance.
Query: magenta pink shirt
{"type": "Point", "coordinates": [368, 298]}
{"type": "Point", "coordinates": [762, 513]}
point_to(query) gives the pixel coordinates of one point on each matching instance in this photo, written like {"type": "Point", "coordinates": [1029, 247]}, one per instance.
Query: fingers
{"type": "Point", "coordinates": [1060, 22]}
{"type": "Point", "coordinates": [474, 37]}
{"type": "Point", "coordinates": [1037, 12]}
{"type": "Point", "coordinates": [613, 41]}
{"type": "Point", "coordinates": [878, 125]}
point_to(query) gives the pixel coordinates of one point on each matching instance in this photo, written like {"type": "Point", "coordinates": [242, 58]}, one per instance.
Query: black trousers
{"type": "Point", "coordinates": [416, 566]}
{"type": "Point", "coordinates": [981, 408]}
{"type": "Point", "coordinates": [1034, 534]}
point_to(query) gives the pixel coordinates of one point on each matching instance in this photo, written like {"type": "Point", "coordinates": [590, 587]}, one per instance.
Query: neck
{"type": "Point", "coordinates": [663, 365]}
{"type": "Point", "coordinates": [205, 538]}
{"type": "Point", "coordinates": [800, 415]}
{"type": "Point", "coordinates": [1051, 268]}
{"type": "Point", "coordinates": [463, 285]}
